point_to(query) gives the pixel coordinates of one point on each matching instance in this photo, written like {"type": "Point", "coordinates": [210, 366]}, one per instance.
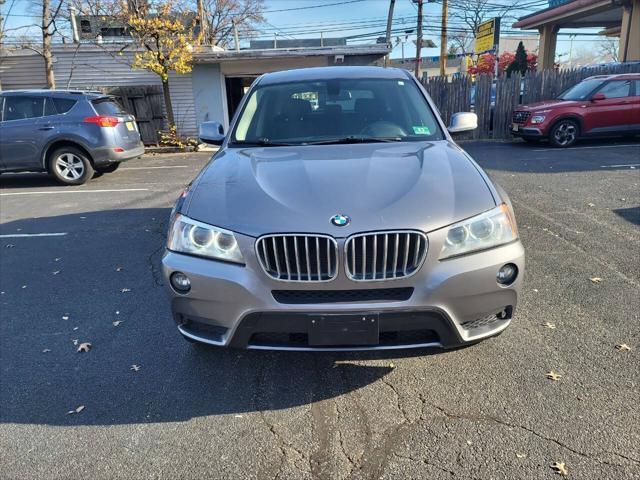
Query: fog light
{"type": "Point", "coordinates": [180, 282]}
{"type": "Point", "coordinates": [507, 274]}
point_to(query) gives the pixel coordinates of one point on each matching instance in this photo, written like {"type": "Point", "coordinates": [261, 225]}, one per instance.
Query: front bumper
{"type": "Point", "coordinates": [528, 132]}
{"type": "Point", "coordinates": [451, 303]}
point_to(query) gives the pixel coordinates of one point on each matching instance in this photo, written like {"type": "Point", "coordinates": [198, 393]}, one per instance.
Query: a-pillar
{"type": "Point", "coordinates": [547, 48]}
{"type": "Point", "coordinates": [630, 32]}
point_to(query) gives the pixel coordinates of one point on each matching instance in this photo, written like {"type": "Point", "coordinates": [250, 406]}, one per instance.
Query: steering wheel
{"type": "Point", "coordinates": [383, 128]}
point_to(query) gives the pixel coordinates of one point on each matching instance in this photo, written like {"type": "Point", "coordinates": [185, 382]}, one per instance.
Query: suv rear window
{"type": "Point", "coordinates": [107, 106]}
{"type": "Point", "coordinates": [63, 105]}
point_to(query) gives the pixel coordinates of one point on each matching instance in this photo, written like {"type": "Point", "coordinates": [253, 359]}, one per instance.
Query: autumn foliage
{"type": "Point", "coordinates": [486, 63]}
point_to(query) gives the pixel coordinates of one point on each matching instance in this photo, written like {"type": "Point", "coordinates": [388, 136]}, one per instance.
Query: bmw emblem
{"type": "Point", "coordinates": [340, 220]}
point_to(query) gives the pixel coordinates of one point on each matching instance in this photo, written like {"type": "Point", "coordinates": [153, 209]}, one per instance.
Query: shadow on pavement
{"type": "Point", "coordinates": [73, 293]}
{"type": "Point", "coordinates": [631, 214]}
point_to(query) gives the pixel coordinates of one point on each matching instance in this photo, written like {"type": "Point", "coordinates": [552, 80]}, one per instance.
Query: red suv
{"type": "Point", "coordinates": [597, 106]}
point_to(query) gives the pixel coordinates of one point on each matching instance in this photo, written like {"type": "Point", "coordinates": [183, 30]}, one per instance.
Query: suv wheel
{"type": "Point", "coordinates": [564, 133]}
{"type": "Point", "coordinates": [112, 167]}
{"type": "Point", "coordinates": [69, 165]}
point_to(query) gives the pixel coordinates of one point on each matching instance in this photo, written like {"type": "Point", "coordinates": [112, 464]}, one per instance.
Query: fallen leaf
{"type": "Point", "coordinates": [84, 347]}
{"type": "Point", "coordinates": [520, 455]}
{"type": "Point", "coordinates": [78, 409]}
{"type": "Point", "coordinates": [535, 290]}
{"type": "Point", "coordinates": [553, 375]}
{"type": "Point", "coordinates": [595, 280]}
{"type": "Point", "coordinates": [560, 468]}
{"type": "Point", "coordinates": [550, 325]}
{"type": "Point", "coordinates": [117, 322]}
{"type": "Point", "coordinates": [75, 328]}
{"type": "Point", "coordinates": [135, 368]}
{"type": "Point", "coordinates": [125, 290]}
{"type": "Point", "coordinates": [591, 204]}
{"type": "Point", "coordinates": [238, 416]}
{"type": "Point", "coordinates": [75, 341]}
{"type": "Point", "coordinates": [46, 350]}
{"type": "Point", "coordinates": [392, 365]}
{"type": "Point", "coordinates": [24, 286]}
{"type": "Point", "coordinates": [65, 316]}
{"type": "Point", "coordinates": [623, 347]}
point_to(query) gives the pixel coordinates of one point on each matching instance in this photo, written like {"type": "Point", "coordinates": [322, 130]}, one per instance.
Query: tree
{"type": "Point", "coordinates": [164, 38]}
{"type": "Point", "coordinates": [609, 49]}
{"type": "Point", "coordinates": [221, 15]}
{"type": "Point", "coordinates": [48, 29]}
{"type": "Point", "coordinates": [519, 63]}
{"type": "Point", "coordinates": [466, 15]}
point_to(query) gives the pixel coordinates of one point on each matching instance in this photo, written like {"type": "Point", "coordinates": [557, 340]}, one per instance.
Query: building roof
{"type": "Point", "coordinates": [575, 14]}
{"type": "Point", "coordinates": [379, 49]}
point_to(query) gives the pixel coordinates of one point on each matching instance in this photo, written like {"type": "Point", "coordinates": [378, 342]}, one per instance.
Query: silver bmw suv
{"type": "Point", "coordinates": [339, 214]}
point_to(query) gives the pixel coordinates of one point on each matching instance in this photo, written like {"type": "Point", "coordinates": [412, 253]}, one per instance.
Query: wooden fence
{"type": "Point", "coordinates": [147, 105]}
{"type": "Point", "coordinates": [495, 110]}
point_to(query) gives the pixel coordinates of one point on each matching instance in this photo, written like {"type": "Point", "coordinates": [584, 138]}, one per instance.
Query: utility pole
{"type": "Point", "coordinates": [418, 69]}
{"type": "Point", "coordinates": [388, 35]}
{"type": "Point", "coordinates": [236, 40]}
{"type": "Point", "coordinates": [202, 18]}
{"type": "Point", "coordinates": [443, 39]}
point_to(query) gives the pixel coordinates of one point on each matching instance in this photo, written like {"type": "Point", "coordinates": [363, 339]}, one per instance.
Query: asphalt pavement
{"type": "Point", "coordinates": [81, 265]}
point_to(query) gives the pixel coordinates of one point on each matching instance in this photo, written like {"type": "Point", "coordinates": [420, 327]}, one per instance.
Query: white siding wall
{"type": "Point", "coordinates": [22, 71]}
{"type": "Point", "coordinates": [93, 66]}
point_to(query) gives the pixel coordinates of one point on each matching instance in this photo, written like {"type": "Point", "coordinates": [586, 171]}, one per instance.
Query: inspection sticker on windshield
{"type": "Point", "coordinates": [421, 130]}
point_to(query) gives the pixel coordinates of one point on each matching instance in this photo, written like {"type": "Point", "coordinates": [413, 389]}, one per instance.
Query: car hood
{"type": "Point", "coordinates": [410, 185]}
{"type": "Point", "coordinates": [534, 107]}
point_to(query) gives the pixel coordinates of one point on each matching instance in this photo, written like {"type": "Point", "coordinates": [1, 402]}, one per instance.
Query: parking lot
{"type": "Point", "coordinates": [81, 264]}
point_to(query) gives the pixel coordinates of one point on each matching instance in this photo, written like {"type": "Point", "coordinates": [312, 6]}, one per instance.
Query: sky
{"type": "Point", "coordinates": [295, 19]}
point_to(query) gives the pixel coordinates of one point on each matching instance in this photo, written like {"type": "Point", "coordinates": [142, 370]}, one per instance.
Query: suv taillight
{"type": "Point", "coordinates": [103, 120]}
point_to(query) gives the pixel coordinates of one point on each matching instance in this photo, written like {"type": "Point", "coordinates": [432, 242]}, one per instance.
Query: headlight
{"type": "Point", "coordinates": [197, 238]}
{"type": "Point", "coordinates": [487, 230]}
{"type": "Point", "coordinates": [537, 119]}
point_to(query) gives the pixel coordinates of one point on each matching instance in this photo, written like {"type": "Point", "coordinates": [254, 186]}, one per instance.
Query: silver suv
{"type": "Point", "coordinates": [339, 214]}
{"type": "Point", "coordinates": [70, 134]}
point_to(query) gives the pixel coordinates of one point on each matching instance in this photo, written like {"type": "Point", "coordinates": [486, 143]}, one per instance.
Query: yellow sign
{"type": "Point", "coordinates": [487, 35]}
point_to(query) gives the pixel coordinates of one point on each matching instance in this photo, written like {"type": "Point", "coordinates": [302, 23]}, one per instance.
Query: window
{"type": "Point", "coordinates": [330, 110]}
{"type": "Point", "coordinates": [637, 92]}
{"type": "Point", "coordinates": [49, 107]}
{"type": "Point", "coordinates": [85, 26]}
{"type": "Point", "coordinates": [580, 91]}
{"type": "Point", "coordinates": [19, 107]}
{"type": "Point", "coordinates": [107, 106]}
{"type": "Point", "coordinates": [617, 89]}
{"type": "Point", "coordinates": [63, 105]}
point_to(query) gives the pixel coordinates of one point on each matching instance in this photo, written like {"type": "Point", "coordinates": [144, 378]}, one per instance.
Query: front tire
{"type": "Point", "coordinates": [565, 133]}
{"type": "Point", "coordinates": [70, 166]}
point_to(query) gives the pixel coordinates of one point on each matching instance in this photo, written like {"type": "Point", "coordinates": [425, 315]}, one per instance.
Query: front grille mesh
{"type": "Point", "coordinates": [520, 116]}
{"type": "Point", "coordinates": [298, 258]}
{"type": "Point", "coordinates": [384, 255]}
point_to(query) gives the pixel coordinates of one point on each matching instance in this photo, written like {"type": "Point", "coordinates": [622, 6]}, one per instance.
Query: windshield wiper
{"type": "Point", "coordinates": [262, 142]}
{"type": "Point", "coordinates": [354, 139]}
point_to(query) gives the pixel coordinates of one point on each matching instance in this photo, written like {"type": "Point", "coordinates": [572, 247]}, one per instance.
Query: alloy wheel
{"type": "Point", "coordinates": [69, 166]}
{"type": "Point", "coordinates": [565, 133]}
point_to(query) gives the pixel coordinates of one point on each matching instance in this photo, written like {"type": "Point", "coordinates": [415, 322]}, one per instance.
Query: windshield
{"type": "Point", "coordinates": [336, 111]}
{"type": "Point", "coordinates": [580, 91]}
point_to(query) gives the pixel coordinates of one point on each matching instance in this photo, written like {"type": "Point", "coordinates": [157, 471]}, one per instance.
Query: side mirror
{"type": "Point", "coordinates": [463, 122]}
{"type": "Point", "coordinates": [598, 96]}
{"type": "Point", "coordinates": [211, 133]}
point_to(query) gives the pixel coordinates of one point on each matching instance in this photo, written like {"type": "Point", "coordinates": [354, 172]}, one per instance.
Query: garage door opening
{"type": "Point", "coordinates": [236, 88]}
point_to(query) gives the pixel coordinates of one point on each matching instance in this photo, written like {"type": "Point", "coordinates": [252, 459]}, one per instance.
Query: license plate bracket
{"type": "Point", "coordinates": [344, 329]}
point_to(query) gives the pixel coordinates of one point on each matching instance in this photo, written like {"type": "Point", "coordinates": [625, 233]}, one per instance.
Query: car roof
{"type": "Point", "coordinates": [616, 76]}
{"type": "Point", "coordinates": [327, 73]}
{"type": "Point", "coordinates": [55, 93]}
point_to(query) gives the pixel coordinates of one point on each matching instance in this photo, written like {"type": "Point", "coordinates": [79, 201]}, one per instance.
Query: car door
{"type": "Point", "coordinates": [635, 103]}
{"type": "Point", "coordinates": [20, 137]}
{"type": "Point", "coordinates": [611, 114]}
